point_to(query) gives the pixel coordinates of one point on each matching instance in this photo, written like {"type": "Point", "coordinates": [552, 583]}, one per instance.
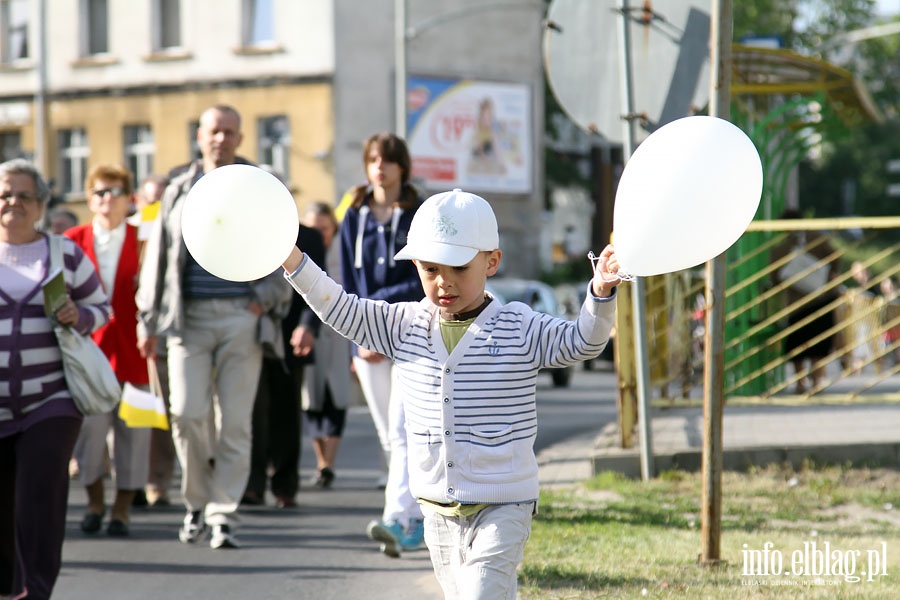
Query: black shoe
{"type": "Point", "coordinates": [161, 502]}
{"type": "Point", "coordinates": [91, 523]}
{"type": "Point", "coordinates": [325, 478]}
{"type": "Point", "coordinates": [140, 499]}
{"type": "Point", "coordinates": [117, 528]}
{"type": "Point", "coordinates": [252, 499]}
{"type": "Point", "coordinates": [285, 502]}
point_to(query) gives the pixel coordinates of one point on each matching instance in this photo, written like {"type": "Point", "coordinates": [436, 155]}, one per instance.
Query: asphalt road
{"type": "Point", "coordinates": [316, 551]}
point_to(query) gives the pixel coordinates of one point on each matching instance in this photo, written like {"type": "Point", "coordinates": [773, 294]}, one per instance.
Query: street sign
{"type": "Point", "coordinates": [669, 56]}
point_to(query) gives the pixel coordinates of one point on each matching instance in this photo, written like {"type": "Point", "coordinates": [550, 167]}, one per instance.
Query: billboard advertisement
{"type": "Point", "coordinates": [469, 134]}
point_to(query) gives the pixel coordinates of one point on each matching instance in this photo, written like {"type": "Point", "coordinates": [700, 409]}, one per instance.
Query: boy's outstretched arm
{"type": "Point", "coordinates": [293, 261]}
{"type": "Point", "coordinates": [605, 273]}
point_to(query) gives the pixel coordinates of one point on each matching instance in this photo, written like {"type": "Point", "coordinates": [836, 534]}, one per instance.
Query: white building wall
{"type": "Point", "coordinates": [363, 82]}
{"type": "Point", "coordinates": [211, 40]}
{"type": "Point", "coordinates": [349, 40]}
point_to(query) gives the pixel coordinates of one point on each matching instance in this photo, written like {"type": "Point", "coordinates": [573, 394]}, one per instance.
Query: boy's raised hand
{"type": "Point", "coordinates": [606, 273]}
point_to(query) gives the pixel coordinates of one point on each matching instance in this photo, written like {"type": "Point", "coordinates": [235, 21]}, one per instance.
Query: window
{"type": "Point", "coordinates": [94, 27]}
{"type": "Point", "coordinates": [274, 147]}
{"type": "Point", "coordinates": [166, 24]}
{"type": "Point", "coordinates": [13, 30]}
{"type": "Point", "coordinates": [259, 22]}
{"type": "Point", "coordinates": [139, 150]}
{"type": "Point", "coordinates": [73, 155]}
{"type": "Point", "coordinates": [194, 152]}
{"type": "Point", "coordinates": [11, 145]}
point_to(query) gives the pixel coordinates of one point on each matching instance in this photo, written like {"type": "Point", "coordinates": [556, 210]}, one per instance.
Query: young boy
{"type": "Point", "coordinates": [467, 369]}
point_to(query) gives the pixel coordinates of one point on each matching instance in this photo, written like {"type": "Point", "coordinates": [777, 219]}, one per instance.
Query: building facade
{"type": "Point", "coordinates": [84, 82]}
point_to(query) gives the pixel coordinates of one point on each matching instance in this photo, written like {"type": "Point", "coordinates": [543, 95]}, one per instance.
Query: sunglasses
{"type": "Point", "coordinates": [114, 191]}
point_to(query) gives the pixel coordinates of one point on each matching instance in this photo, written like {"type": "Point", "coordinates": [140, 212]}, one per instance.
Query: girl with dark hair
{"type": "Point", "coordinates": [374, 229]}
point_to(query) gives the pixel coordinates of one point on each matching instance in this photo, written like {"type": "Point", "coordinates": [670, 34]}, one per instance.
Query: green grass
{"type": "Point", "coordinates": [613, 537]}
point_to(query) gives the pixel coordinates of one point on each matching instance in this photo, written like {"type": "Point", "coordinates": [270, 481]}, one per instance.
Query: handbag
{"type": "Point", "coordinates": [89, 376]}
{"type": "Point", "coordinates": [815, 273]}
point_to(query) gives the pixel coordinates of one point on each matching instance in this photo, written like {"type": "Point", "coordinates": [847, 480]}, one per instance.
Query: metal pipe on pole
{"type": "Point", "coordinates": [40, 98]}
{"type": "Point", "coordinates": [639, 302]}
{"type": "Point", "coordinates": [721, 28]}
{"type": "Point", "coordinates": [400, 68]}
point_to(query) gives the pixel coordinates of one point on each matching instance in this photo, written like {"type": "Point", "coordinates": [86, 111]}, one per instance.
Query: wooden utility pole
{"type": "Point", "coordinates": [714, 349]}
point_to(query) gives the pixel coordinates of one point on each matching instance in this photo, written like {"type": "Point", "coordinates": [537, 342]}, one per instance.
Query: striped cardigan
{"type": "Point", "coordinates": [32, 384]}
{"type": "Point", "coordinates": [470, 416]}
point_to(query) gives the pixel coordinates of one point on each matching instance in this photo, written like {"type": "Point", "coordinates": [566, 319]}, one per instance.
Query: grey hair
{"type": "Point", "coordinates": [20, 166]}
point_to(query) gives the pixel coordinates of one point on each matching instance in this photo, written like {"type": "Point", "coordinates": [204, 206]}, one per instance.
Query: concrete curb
{"type": "Point", "coordinates": [628, 461]}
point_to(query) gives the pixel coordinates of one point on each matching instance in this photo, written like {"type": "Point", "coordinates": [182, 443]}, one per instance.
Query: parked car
{"type": "Point", "coordinates": [539, 296]}
{"type": "Point", "coordinates": [571, 296]}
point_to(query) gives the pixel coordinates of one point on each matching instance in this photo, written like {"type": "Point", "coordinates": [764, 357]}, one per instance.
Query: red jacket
{"type": "Point", "coordinates": [118, 338]}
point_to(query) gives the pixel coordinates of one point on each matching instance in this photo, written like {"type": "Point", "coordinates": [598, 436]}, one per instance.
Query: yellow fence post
{"type": "Point", "coordinates": [625, 366]}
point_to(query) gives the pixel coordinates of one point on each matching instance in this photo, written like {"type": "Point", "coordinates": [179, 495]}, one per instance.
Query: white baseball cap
{"type": "Point", "coordinates": [450, 228]}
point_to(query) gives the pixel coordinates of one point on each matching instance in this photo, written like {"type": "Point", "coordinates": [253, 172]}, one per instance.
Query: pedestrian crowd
{"type": "Point", "coordinates": [834, 312]}
{"type": "Point", "coordinates": [243, 367]}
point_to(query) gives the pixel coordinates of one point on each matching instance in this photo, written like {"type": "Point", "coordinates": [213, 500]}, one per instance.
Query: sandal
{"type": "Point", "coordinates": [117, 528]}
{"type": "Point", "coordinates": [325, 478]}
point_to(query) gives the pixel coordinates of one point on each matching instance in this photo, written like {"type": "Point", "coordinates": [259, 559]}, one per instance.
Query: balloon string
{"type": "Point", "coordinates": [596, 259]}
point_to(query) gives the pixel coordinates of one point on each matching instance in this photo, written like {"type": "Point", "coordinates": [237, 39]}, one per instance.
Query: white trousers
{"type": "Point", "coordinates": [130, 451]}
{"type": "Point", "coordinates": [476, 558]}
{"type": "Point", "coordinates": [387, 413]}
{"type": "Point", "coordinates": [214, 366]}
{"type": "Point", "coordinates": [375, 381]}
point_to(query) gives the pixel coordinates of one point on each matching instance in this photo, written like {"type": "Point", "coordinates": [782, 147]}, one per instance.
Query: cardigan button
{"type": "Point", "coordinates": [446, 400]}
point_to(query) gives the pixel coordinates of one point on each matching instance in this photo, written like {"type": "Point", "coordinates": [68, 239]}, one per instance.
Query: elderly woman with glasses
{"type": "Point", "coordinates": [39, 422]}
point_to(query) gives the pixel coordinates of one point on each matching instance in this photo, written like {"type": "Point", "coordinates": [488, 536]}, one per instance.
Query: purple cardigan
{"type": "Point", "coordinates": [32, 383]}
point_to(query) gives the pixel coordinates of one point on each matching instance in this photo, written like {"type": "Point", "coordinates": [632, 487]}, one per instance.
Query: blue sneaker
{"type": "Point", "coordinates": [389, 534]}
{"type": "Point", "coordinates": [414, 536]}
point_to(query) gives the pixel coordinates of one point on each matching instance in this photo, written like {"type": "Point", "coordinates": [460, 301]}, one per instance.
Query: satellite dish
{"type": "Point", "coordinates": [669, 61]}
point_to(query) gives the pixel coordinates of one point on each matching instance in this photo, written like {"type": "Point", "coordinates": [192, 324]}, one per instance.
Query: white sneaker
{"type": "Point", "coordinates": [223, 538]}
{"type": "Point", "coordinates": [193, 528]}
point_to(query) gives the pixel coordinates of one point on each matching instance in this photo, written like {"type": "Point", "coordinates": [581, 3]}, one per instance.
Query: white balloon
{"type": "Point", "coordinates": [686, 195]}
{"type": "Point", "coordinates": [239, 222]}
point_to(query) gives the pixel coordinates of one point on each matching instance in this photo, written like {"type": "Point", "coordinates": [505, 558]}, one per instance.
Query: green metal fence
{"type": "Point", "coordinates": [763, 317]}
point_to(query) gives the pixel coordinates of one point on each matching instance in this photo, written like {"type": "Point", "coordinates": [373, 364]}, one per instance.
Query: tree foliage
{"type": "Point", "coordinates": [850, 173]}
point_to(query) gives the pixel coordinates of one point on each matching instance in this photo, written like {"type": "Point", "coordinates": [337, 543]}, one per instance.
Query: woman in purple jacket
{"type": "Point", "coordinates": [38, 418]}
